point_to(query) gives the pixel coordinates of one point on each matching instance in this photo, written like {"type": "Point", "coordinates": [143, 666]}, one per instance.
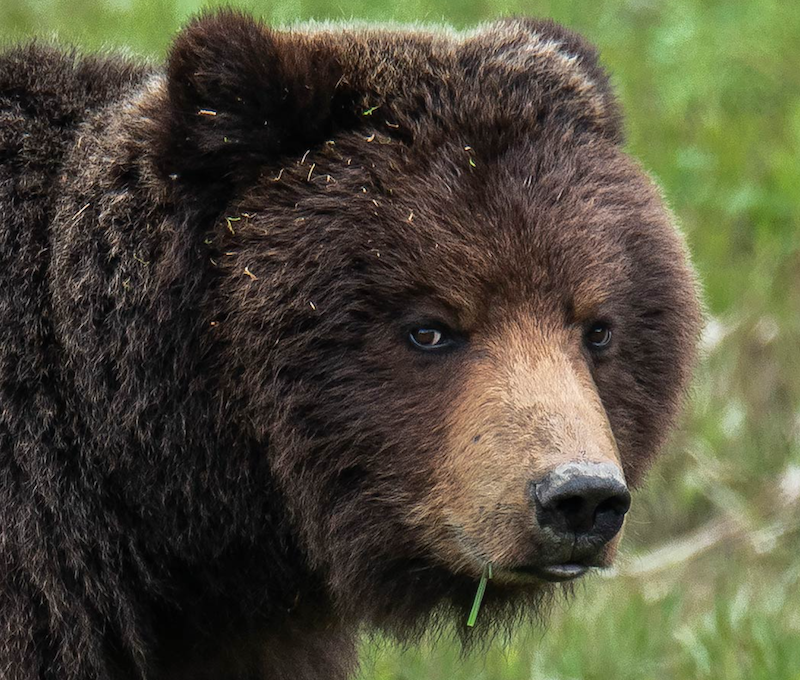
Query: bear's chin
{"type": "Point", "coordinates": [433, 601]}
{"type": "Point", "coordinates": [502, 611]}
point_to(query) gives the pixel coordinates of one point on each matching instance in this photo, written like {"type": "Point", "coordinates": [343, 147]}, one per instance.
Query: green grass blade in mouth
{"type": "Point", "coordinates": [476, 604]}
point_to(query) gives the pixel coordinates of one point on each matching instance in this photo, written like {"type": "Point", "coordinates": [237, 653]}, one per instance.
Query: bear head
{"type": "Point", "coordinates": [455, 313]}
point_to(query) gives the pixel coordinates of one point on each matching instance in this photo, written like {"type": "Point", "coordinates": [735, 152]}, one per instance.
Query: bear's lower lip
{"type": "Point", "coordinates": [554, 572]}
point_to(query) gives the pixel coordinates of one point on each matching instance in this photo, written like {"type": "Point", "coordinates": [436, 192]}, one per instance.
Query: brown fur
{"type": "Point", "coordinates": [524, 410]}
{"type": "Point", "coordinates": [220, 457]}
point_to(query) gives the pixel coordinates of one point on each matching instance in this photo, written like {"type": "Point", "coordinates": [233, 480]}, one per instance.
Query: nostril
{"type": "Point", "coordinates": [574, 510]}
{"type": "Point", "coordinates": [573, 505]}
{"type": "Point", "coordinates": [618, 504]}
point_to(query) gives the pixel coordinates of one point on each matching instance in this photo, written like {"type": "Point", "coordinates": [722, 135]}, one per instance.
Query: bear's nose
{"type": "Point", "coordinates": [584, 499]}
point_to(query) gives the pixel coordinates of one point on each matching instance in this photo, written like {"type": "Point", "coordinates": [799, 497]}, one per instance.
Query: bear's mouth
{"type": "Point", "coordinates": [554, 573]}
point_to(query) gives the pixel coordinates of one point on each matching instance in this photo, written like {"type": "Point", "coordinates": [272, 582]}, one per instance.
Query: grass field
{"type": "Point", "coordinates": [708, 585]}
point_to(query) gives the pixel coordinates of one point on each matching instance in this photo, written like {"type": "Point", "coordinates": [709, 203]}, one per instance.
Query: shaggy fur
{"type": "Point", "coordinates": [218, 454]}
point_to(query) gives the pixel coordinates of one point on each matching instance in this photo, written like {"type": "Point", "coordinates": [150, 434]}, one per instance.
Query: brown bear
{"type": "Point", "coordinates": [303, 333]}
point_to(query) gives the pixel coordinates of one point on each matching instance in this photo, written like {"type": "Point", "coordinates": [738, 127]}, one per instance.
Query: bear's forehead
{"type": "Point", "coordinates": [513, 231]}
{"type": "Point", "coordinates": [522, 222]}
{"type": "Point", "coordinates": [530, 218]}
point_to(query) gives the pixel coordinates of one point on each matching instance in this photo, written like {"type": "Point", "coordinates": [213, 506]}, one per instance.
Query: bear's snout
{"type": "Point", "coordinates": [582, 502]}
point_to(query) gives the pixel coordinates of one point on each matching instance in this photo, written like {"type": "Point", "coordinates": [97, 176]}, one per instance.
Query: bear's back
{"type": "Point", "coordinates": [45, 94]}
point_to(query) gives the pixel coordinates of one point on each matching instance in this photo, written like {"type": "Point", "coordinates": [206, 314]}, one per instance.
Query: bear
{"type": "Point", "coordinates": [307, 331]}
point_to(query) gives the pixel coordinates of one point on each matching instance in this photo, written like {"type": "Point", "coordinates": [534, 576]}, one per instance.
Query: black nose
{"type": "Point", "coordinates": [588, 499]}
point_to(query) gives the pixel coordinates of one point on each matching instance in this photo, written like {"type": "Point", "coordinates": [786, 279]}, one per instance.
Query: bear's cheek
{"type": "Point", "coordinates": [516, 419]}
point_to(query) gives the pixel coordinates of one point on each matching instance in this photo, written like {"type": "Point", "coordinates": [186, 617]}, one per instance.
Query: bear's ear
{"type": "Point", "coordinates": [239, 94]}
{"type": "Point", "coordinates": [579, 86]}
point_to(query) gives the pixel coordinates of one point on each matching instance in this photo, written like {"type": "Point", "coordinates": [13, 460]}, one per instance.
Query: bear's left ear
{"type": "Point", "coordinates": [239, 94]}
{"type": "Point", "coordinates": [577, 85]}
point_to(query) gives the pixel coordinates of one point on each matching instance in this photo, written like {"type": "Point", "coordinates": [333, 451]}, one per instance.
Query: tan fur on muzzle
{"type": "Point", "coordinates": [525, 407]}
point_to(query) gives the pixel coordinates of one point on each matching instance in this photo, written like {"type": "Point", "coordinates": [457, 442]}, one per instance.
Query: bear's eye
{"type": "Point", "coordinates": [429, 338]}
{"type": "Point", "coordinates": [599, 335]}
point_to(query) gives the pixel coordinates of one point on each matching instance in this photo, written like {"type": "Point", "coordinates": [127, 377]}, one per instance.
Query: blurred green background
{"type": "Point", "coordinates": [708, 584]}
